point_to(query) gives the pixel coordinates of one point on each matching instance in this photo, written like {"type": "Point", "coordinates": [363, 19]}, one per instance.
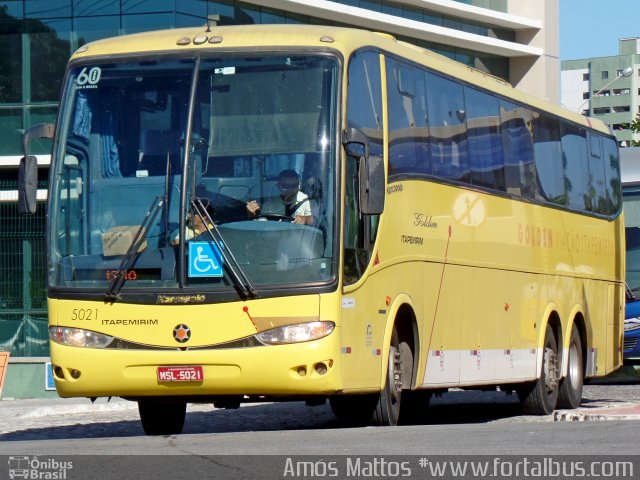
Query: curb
{"type": "Point", "coordinates": [78, 409]}
{"type": "Point", "coordinates": [31, 409]}
{"type": "Point", "coordinates": [629, 411]}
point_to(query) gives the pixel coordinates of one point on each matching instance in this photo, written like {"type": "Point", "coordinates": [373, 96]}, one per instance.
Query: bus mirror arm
{"type": "Point", "coordinates": [28, 168]}
{"type": "Point", "coordinates": [355, 141]}
{"type": "Point", "coordinates": [41, 130]}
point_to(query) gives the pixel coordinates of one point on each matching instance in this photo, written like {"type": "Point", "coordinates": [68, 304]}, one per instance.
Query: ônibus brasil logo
{"type": "Point", "coordinates": [38, 468]}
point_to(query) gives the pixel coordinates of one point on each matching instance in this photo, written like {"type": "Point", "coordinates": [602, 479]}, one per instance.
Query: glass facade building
{"type": "Point", "coordinates": [38, 36]}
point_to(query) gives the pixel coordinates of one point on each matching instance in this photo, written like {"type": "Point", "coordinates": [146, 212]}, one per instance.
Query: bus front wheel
{"type": "Point", "coordinates": [162, 416]}
{"type": "Point", "coordinates": [387, 412]}
{"type": "Point", "coordinates": [540, 397]}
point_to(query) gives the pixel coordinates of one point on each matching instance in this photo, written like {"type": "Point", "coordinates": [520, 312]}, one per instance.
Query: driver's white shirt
{"type": "Point", "coordinates": [275, 205]}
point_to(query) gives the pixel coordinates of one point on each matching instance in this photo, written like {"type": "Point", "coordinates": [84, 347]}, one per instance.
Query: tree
{"type": "Point", "coordinates": [635, 128]}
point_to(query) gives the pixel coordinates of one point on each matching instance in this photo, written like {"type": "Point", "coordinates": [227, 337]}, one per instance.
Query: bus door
{"type": "Point", "coordinates": [362, 325]}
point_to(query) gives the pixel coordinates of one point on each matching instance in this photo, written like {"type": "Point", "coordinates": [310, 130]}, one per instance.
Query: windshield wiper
{"type": "Point", "coordinates": [239, 278]}
{"type": "Point", "coordinates": [120, 275]}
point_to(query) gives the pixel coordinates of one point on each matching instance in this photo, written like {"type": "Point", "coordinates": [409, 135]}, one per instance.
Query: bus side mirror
{"type": "Point", "coordinates": [27, 184]}
{"type": "Point", "coordinates": [371, 178]}
{"type": "Point", "coordinates": [28, 169]}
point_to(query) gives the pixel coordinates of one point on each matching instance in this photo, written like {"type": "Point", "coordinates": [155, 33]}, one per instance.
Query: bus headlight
{"type": "Point", "coordinates": [301, 332]}
{"type": "Point", "coordinates": [78, 337]}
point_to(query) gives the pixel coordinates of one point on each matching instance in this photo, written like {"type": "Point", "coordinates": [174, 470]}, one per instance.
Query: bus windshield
{"type": "Point", "coordinates": [141, 141]}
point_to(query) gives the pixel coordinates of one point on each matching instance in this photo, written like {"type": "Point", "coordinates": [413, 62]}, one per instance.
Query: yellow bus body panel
{"type": "Point", "coordinates": [484, 275]}
{"type": "Point", "coordinates": [267, 369]}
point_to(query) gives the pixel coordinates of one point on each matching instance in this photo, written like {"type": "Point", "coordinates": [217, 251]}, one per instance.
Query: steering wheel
{"type": "Point", "coordinates": [276, 217]}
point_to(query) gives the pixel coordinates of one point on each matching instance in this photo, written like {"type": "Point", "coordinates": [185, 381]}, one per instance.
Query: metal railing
{"type": "Point", "coordinates": [23, 297]}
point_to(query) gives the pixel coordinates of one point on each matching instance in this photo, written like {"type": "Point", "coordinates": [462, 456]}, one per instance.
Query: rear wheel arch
{"type": "Point", "coordinates": [556, 325]}
{"type": "Point", "coordinates": [551, 318]}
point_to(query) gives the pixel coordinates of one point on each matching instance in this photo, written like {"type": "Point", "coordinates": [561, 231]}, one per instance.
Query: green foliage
{"type": "Point", "coordinates": [635, 128]}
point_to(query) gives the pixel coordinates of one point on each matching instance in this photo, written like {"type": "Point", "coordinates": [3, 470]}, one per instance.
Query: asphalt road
{"type": "Point", "coordinates": [454, 419]}
{"type": "Point", "coordinates": [293, 440]}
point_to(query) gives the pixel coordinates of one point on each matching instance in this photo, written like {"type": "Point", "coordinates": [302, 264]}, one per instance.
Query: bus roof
{"type": "Point", "coordinates": [345, 40]}
{"type": "Point", "coordinates": [630, 166]}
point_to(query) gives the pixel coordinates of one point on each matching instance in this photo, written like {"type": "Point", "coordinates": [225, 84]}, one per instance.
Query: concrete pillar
{"type": "Point", "coordinates": [539, 76]}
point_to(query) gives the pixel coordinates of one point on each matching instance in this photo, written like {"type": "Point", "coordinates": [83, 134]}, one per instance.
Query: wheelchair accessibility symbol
{"type": "Point", "coordinates": [205, 260]}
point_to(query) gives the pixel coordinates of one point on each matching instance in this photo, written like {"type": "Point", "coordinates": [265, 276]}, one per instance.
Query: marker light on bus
{"type": "Point", "coordinates": [301, 332]}
{"type": "Point", "coordinates": [78, 337]}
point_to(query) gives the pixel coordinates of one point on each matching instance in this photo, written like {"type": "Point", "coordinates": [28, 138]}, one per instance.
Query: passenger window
{"type": "Point", "coordinates": [485, 145]}
{"type": "Point", "coordinates": [578, 186]}
{"type": "Point", "coordinates": [548, 160]}
{"type": "Point", "coordinates": [598, 187]}
{"type": "Point", "coordinates": [612, 174]}
{"type": "Point", "coordinates": [447, 127]}
{"type": "Point", "coordinates": [407, 114]}
{"type": "Point", "coordinates": [517, 141]}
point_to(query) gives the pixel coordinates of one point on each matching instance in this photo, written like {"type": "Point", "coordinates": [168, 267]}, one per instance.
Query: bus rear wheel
{"type": "Point", "coordinates": [570, 394]}
{"type": "Point", "coordinates": [540, 397]}
{"type": "Point", "coordinates": [162, 416]}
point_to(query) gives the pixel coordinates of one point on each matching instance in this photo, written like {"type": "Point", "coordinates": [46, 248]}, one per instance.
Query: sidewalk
{"type": "Point", "coordinates": [615, 397]}
{"type": "Point", "coordinates": [44, 407]}
{"type": "Point", "coordinates": [629, 411]}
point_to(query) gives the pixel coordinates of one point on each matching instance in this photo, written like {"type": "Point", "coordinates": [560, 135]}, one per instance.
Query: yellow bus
{"type": "Point", "coordinates": [377, 223]}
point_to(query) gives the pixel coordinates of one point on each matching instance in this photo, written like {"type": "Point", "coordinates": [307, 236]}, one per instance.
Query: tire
{"type": "Point", "coordinates": [570, 394]}
{"type": "Point", "coordinates": [540, 397]}
{"type": "Point", "coordinates": [161, 416]}
{"type": "Point", "coordinates": [387, 411]}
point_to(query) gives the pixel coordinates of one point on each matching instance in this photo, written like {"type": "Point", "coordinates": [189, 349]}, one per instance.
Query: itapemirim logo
{"type": "Point", "coordinates": [34, 468]}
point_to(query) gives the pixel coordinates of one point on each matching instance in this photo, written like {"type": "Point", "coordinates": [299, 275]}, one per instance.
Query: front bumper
{"type": "Point", "coordinates": [309, 368]}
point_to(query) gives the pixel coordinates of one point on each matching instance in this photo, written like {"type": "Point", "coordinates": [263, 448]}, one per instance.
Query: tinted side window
{"type": "Point", "coordinates": [515, 126]}
{"type": "Point", "coordinates": [612, 174]}
{"type": "Point", "coordinates": [548, 159]}
{"type": "Point", "coordinates": [598, 189]}
{"type": "Point", "coordinates": [485, 145]}
{"type": "Point", "coordinates": [407, 115]}
{"type": "Point", "coordinates": [364, 98]}
{"type": "Point", "coordinates": [576, 169]}
{"type": "Point", "coordinates": [445, 104]}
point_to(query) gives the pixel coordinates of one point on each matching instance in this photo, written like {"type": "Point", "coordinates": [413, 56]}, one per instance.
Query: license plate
{"type": "Point", "coordinates": [191, 373]}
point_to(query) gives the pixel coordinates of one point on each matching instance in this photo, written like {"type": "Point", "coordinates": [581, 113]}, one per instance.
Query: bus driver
{"type": "Point", "coordinates": [290, 203]}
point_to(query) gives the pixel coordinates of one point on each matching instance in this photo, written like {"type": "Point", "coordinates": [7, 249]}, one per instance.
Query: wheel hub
{"type": "Point", "coordinates": [397, 371]}
{"type": "Point", "coordinates": [551, 377]}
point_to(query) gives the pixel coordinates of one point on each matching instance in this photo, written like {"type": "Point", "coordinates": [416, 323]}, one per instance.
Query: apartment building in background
{"type": "Point", "coordinates": [607, 88]}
